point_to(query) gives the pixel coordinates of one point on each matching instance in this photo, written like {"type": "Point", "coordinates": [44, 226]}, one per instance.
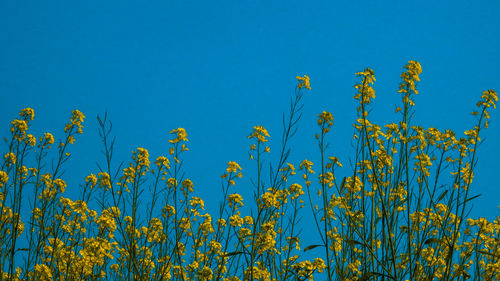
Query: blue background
{"type": "Point", "coordinates": [218, 68]}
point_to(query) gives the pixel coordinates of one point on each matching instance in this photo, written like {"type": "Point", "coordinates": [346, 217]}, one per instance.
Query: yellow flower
{"type": "Point", "coordinates": [233, 167]}
{"type": "Point", "coordinates": [187, 184]}
{"type": "Point", "coordinates": [185, 223]}
{"type": "Point", "coordinates": [171, 182]}
{"type": "Point", "coordinates": [488, 98]}
{"type": "Point", "coordinates": [268, 199]}
{"type": "Point", "coordinates": [205, 273]}
{"type": "Point", "coordinates": [414, 69]}
{"type": "Point", "coordinates": [104, 180]}
{"type": "Point", "coordinates": [92, 179]}
{"type": "Point", "coordinates": [235, 220]}
{"type": "Point", "coordinates": [31, 140]}
{"type": "Point", "coordinates": [19, 128]}
{"type": "Point", "coordinates": [304, 82]}
{"type": "Point", "coordinates": [235, 199]}
{"type": "Point", "coordinates": [10, 158]}
{"type": "Point", "coordinates": [168, 210]}
{"type": "Point", "coordinates": [43, 272]}
{"type": "Point", "coordinates": [4, 177]}
{"type": "Point", "coordinates": [181, 135]}
{"type": "Point", "coordinates": [249, 220]}
{"type": "Point", "coordinates": [215, 246]}
{"type": "Point", "coordinates": [141, 156]}
{"type": "Point", "coordinates": [259, 133]}
{"type": "Point", "coordinates": [29, 113]}
{"type": "Point", "coordinates": [162, 160]}
{"type": "Point", "coordinates": [60, 184]}
{"type": "Point", "coordinates": [326, 117]}
{"type": "Point", "coordinates": [47, 139]}
{"type": "Point", "coordinates": [197, 201]}
{"type": "Point", "coordinates": [306, 165]}
{"type": "Point", "coordinates": [76, 120]}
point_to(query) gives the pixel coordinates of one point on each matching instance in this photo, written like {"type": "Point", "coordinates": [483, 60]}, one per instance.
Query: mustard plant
{"type": "Point", "coordinates": [400, 214]}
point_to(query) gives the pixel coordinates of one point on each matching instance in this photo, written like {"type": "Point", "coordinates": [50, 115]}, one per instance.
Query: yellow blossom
{"type": "Point", "coordinates": [304, 82]}
{"type": "Point", "coordinates": [259, 133]}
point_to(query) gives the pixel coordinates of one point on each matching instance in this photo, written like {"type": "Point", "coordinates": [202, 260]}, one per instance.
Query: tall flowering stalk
{"type": "Point", "coordinates": [395, 217]}
{"type": "Point", "coordinates": [396, 220]}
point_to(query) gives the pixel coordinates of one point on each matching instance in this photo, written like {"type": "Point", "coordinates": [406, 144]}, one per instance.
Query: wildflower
{"type": "Point", "coordinates": [306, 165]}
{"type": "Point", "coordinates": [181, 135]}
{"type": "Point", "coordinates": [296, 190]}
{"type": "Point", "coordinates": [168, 210]}
{"type": "Point", "coordinates": [259, 133]}
{"type": "Point", "coordinates": [304, 82]}
{"type": "Point", "coordinates": [335, 160]}
{"type": "Point", "coordinates": [325, 117]}
{"type": "Point", "coordinates": [76, 120]}
{"type": "Point", "coordinates": [104, 180]}
{"type": "Point", "coordinates": [214, 246]}
{"type": "Point", "coordinates": [221, 222]}
{"type": "Point", "coordinates": [196, 201]}
{"type": "Point", "coordinates": [233, 167]}
{"type": "Point", "coordinates": [162, 160]}
{"type": "Point", "coordinates": [235, 220]}
{"type": "Point", "coordinates": [249, 220]}
{"type": "Point", "coordinates": [289, 167]}
{"type": "Point", "coordinates": [47, 139]}
{"type": "Point", "coordinates": [185, 223]}
{"type": "Point", "coordinates": [171, 182]}
{"type": "Point", "coordinates": [4, 177]}
{"type": "Point", "coordinates": [269, 199]}
{"type": "Point", "coordinates": [36, 213]}
{"type": "Point", "coordinates": [60, 184]}
{"type": "Point", "coordinates": [235, 199]}
{"type": "Point", "coordinates": [489, 98]}
{"type": "Point", "coordinates": [92, 179]}
{"type": "Point", "coordinates": [19, 128]}
{"type": "Point", "coordinates": [43, 272]}
{"type": "Point", "coordinates": [414, 69]}
{"type": "Point", "coordinates": [205, 273]}
{"type": "Point", "coordinates": [10, 158]}
{"type": "Point", "coordinates": [31, 140]}
{"type": "Point", "coordinates": [141, 156]}
{"type": "Point", "coordinates": [28, 113]}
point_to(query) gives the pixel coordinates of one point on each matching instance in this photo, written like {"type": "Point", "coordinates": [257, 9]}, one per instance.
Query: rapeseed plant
{"type": "Point", "coordinates": [392, 219]}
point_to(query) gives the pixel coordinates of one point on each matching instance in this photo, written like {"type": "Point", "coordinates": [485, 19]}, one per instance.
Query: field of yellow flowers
{"type": "Point", "coordinates": [392, 219]}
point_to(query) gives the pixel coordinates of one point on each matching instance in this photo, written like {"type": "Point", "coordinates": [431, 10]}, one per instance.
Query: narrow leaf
{"type": "Point", "coordinates": [233, 254]}
{"type": "Point", "coordinates": [432, 240]}
{"type": "Point", "coordinates": [472, 198]}
{"type": "Point", "coordinates": [312, 247]}
{"type": "Point", "coordinates": [352, 241]}
{"type": "Point", "coordinates": [442, 196]}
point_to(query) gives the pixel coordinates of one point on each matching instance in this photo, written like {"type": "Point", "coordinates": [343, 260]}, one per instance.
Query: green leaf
{"type": "Point", "coordinates": [442, 196]}
{"type": "Point", "coordinates": [366, 276]}
{"type": "Point", "coordinates": [233, 254]}
{"type": "Point", "coordinates": [312, 247]}
{"type": "Point", "coordinates": [470, 199]}
{"type": "Point", "coordinates": [432, 240]}
{"type": "Point", "coordinates": [352, 241]}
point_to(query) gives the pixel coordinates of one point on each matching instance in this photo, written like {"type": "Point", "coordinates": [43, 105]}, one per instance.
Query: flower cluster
{"type": "Point", "coordinates": [304, 82]}
{"type": "Point", "coordinates": [392, 218]}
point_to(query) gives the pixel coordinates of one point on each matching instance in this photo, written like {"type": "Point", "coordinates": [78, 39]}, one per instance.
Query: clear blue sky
{"type": "Point", "coordinates": [217, 68]}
